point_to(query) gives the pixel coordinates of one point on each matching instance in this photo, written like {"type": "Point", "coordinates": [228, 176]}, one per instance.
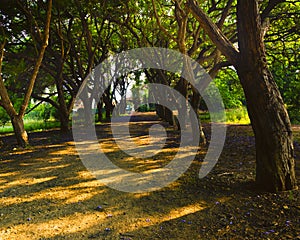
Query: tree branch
{"type": "Point", "coordinates": [43, 99]}
{"type": "Point", "coordinates": [214, 33]}
{"type": "Point", "coordinates": [271, 5]}
{"type": "Point", "coordinates": [159, 23]}
{"type": "Point", "coordinates": [38, 62]}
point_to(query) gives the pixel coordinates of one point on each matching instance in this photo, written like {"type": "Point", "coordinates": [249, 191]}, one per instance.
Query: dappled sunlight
{"type": "Point", "coordinates": [65, 151]}
{"type": "Point", "coordinates": [21, 151]}
{"type": "Point", "coordinates": [53, 167]}
{"type": "Point", "coordinates": [76, 222]}
{"type": "Point", "coordinates": [223, 199]}
{"type": "Point", "coordinates": [182, 211]}
{"type": "Point", "coordinates": [49, 194]}
{"type": "Point", "coordinates": [27, 181]}
{"type": "Point", "coordinates": [8, 174]}
{"type": "Point", "coordinates": [60, 197]}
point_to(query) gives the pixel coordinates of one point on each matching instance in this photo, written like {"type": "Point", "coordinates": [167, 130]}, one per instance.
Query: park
{"type": "Point", "coordinates": [149, 119]}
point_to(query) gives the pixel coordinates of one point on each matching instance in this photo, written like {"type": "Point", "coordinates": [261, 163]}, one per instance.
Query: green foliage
{"type": "Point", "coordinates": [230, 88]}
{"type": "Point", "coordinates": [233, 116]}
{"type": "Point", "coordinates": [31, 126]}
{"type": "Point", "coordinates": [4, 118]}
{"type": "Point", "coordinates": [41, 112]}
{"type": "Point", "coordinates": [283, 51]}
{"type": "Point", "coordinates": [237, 116]}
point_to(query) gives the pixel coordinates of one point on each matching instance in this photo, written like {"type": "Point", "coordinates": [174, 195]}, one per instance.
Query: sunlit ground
{"type": "Point", "coordinates": [46, 193]}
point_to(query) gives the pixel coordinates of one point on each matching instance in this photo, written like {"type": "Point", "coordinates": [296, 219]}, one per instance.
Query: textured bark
{"type": "Point", "coordinates": [269, 118]}
{"type": "Point", "coordinates": [64, 121]}
{"type": "Point", "coordinates": [213, 31]}
{"type": "Point", "coordinates": [17, 118]}
{"type": "Point", "coordinates": [182, 87]}
{"type": "Point", "coordinates": [275, 169]}
{"type": "Point", "coordinates": [19, 130]}
{"type": "Point", "coordinates": [99, 108]}
{"type": "Point", "coordinates": [195, 103]}
{"type": "Point", "coordinates": [63, 109]}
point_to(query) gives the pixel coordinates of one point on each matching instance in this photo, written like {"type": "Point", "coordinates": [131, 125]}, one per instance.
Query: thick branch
{"type": "Point", "coordinates": [38, 62]}
{"type": "Point", "coordinates": [214, 33]}
{"type": "Point", "coordinates": [159, 23]}
{"type": "Point", "coordinates": [217, 67]}
{"type": "Point", "coordinates": [5, 100]}
{"type": "Point", "coordinates": [44, 99]}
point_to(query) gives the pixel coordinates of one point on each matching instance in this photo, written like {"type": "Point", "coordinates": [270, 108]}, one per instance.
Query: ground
{"type": "Point", "coordinates": [47, 193]}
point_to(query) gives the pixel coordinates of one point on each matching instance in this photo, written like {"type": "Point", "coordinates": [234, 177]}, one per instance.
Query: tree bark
{"type": "Point", "coordinates": [195, 103]}
{"type": "Point", "coordinates": [63, 109]}
{"type": "Point", "coordinates": [64, 121]}
{"type": "Point", "coordinates": [17, 118]}
{"type": "Point", "coordinates": [99, 108]}
{"type": "Point", "coordinates": [19, 130]}
{"type": "Point", "coordinates": [269, 118]}
{"type": "Point", "coordinates": [275, 169]}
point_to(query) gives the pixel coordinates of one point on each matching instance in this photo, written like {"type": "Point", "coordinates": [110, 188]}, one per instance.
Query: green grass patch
{"type": "Point", "coordinates": [31, 125]}
{"type": "Point", "coordinates": [233, 116]}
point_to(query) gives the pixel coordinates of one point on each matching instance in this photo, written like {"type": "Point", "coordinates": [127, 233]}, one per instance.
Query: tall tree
{"type": "Point", "coordinates": [270, 121]}
{"type": "Point", "coordinates": [81, 37]}
{"type": "Point", "coordinates": [15, 115]}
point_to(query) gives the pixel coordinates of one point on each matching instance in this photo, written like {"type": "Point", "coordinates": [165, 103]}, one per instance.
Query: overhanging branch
{"type": "Point", "coordinates": [214, 32]}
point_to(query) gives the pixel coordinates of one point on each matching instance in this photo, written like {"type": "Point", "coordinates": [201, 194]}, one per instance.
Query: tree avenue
{"type": "Point", "coordinates": [65, 42]}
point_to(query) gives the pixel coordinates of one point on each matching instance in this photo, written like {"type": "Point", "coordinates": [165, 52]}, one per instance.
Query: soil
{"type": "Point", "coordinates": [47, 193]}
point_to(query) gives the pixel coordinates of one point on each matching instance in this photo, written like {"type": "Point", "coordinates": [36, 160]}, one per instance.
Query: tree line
{"type": "Point", "coordinates": [48, 48]}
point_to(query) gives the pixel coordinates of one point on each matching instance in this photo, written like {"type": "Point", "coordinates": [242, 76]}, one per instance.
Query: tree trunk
{"type": "Point", "coordinates": [99, 108]}
{"type": "Point", "coordinates": [275, 170]}
{"type": "Point", "coordinates": [64, 121]}
{"type": "Point", "coordinates": [108, 111]}
{"type": "Point", "coordinates": [17, 119]}
{"type": "Point", "coordinates": [19, 130]}
{"type": "Point", "coordinates": [269, 118]}
{"type": "Point", "coordinates": [63, 109]}
{"type": "Point", "coordinates": [182, 87]}
{"type": "Point", "coordinates": [160, 111]}
{"type": "Point", "coordinates": [169, 116]}
{"type": "Point", "coordinates": [195, 103]}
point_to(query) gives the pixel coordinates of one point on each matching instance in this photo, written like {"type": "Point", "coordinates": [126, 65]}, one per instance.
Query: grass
{"type": "Point", "coordinates": [237, 116]}
{"type": "Point", "coordinates": [233, 116]}
{"type": "Point", "coordinates": [31, 125]}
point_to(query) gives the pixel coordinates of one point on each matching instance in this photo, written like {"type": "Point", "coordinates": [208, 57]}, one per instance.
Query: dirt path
{"type": "Point", "coordinates": [46, 193]}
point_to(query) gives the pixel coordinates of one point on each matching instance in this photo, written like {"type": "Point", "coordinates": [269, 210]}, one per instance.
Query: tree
{"type": "Point", "coordinates": [270, 122]}
{"type": "Point", "coordinates": [283, 43]}
{"type": "Point", "coordinates": [5, 101]}
{"type": "Point", "coordinates": [81, 37]}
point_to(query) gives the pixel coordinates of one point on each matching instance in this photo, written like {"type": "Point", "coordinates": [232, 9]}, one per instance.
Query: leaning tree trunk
{"type": "Point", "coordinates": [195, 103]}
{"type": "Point", "coordinates": [19, 130]}
{"type": "Point", "coordinates": [269, 118]}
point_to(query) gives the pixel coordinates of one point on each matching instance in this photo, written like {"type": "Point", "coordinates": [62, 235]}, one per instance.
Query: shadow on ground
{"type": "Point", "coordinates": [46, 193]}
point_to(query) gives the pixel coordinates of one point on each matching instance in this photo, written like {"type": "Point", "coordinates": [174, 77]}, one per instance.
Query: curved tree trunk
{"type": "Point", "coordinates": [19, 130]}
{"type": "Point", "coordinates": [269, 118]}
{"type": "Point", "coordinates": [275, 170]}
{"type": "Point", "coordinates": [6, 103]}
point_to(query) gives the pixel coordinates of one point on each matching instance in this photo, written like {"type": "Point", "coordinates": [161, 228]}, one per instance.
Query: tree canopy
{"type": "Point", "coordinates": [47, 52]}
